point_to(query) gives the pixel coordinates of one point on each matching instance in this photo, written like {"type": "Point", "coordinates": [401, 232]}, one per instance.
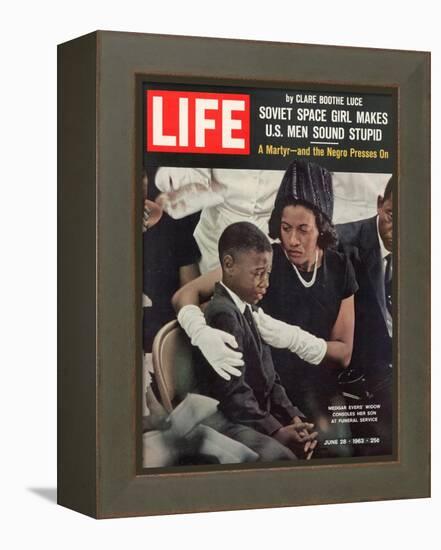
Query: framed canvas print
{"type": "Point", "coordinates": [244, 274]}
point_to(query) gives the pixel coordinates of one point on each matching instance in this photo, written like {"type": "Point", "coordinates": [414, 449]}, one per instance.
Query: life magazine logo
{"type": "Point", "coordinates": [197, 122]}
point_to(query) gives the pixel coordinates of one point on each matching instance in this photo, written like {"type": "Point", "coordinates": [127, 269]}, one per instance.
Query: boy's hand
{"type": "Point", "coordinates": [214, 344]}
{"type": "Point", "coordinates": [305, 429]}
{"type": "Point", "coordinates": [298, 437]}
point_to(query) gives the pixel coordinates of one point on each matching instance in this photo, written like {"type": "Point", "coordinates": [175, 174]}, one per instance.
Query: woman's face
{"type": "Point", "coordinates": [299, 234]}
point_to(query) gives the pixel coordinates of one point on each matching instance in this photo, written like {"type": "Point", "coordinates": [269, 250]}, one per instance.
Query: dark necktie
{"type": "Point", "coordinates": [388, 282]}
{"type": "Point", "coordinates": [249, 317]}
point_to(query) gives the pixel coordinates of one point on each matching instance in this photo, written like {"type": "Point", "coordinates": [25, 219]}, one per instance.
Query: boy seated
{"type": "Point", "coordinates": [253, 408]}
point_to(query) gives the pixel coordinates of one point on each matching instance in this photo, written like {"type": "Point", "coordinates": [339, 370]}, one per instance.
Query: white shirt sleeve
{"type": "Point", "coordinates": [171, 179]}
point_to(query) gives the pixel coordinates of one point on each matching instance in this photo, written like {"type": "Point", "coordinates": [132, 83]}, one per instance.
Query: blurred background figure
{"type": "Point", "coordinates": [368, 243]}
{"type": "Point", "coordinates": [170, 260]}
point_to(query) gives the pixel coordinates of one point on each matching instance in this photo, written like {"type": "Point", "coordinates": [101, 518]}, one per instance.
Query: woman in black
{"type": "Point", "coordinates": [312, 286]}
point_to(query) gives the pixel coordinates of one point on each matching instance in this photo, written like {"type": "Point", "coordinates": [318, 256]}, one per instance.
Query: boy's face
{"type": "Point", "coordinates": [247, 274]}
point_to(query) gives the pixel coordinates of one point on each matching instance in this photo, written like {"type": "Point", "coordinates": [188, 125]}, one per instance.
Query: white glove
{"type": "Point", "coordinates": [281, 335]}
{"type": "Point", "coordinates": [212, 342]}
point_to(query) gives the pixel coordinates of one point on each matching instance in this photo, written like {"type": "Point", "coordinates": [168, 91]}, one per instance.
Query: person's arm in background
{"type": "Point", "coordinates": [169, 179]}
{"type": "Point", "coordinates": [187, 190]}
{"type": "Point", "coordinates": [341, 342]}
{"type": "Point", "coordinates": [339, 347]}
{"type": "Point", "coordinates": [188, 273]}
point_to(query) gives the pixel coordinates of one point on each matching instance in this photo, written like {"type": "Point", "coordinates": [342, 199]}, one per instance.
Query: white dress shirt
{"type": "Point", "coordinates": [240, 304]}
{"type": "Point", "coordinates": [384, 254]}
{"type": "Point", "coordinates": [248, 195]}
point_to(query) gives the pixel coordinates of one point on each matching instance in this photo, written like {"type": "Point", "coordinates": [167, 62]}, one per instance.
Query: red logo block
{"type": "Point", "coordinates": [198, 122]}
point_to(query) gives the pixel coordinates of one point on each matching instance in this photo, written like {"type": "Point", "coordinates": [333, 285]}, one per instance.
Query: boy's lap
{"type": "Point", "coordinates": [268, 449]}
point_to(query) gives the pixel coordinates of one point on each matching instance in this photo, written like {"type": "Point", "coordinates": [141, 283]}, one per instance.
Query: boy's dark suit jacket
{"type": "Point", "coordinates": [255, 399]}
{"type": "Point", "coordinates": [372, 353]}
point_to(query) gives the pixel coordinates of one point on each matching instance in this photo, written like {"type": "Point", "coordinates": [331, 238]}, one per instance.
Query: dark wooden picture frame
{"type": "Point", "coordinates": [100, 270]}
